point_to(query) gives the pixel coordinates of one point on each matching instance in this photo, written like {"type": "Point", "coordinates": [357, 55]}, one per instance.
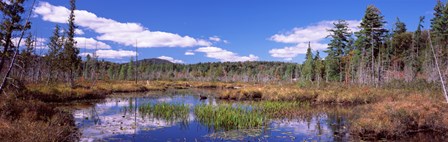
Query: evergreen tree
{"type": "Point", "coordinates": [10, 23]}
{"type": "Point", "coordinates": [439, 30]}
{"type": "Point", "coordinates": [400, 27]}
{"type": "Point", "coordinates": [130, 70]}
{"type": "Point", "coordinates": [87, 66]}
{"type": "Point", "coordinates": [308, 66]}
{"type": "Point", "coordinates": [110, 72]}
{"type": "Point", "coordinates": [338, 47]}
{"type": "Point", "coordinates": [27, 55]}
{"type": "Point", "coordinates": [437, 23]}
{"type": "Point", "coordinates": [123, 72]}
{"type": "Point", "coordinates": [319, 68]}
{"type": "Point", "coordinates": [70, 52]}
{"type": "Point", "coordinates": [54, 54]}
{"type": "Point", "coordinates": [371, 37]}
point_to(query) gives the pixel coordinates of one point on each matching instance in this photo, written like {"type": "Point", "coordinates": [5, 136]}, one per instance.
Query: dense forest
{"type": "Point", "coordinates": [371, 56]}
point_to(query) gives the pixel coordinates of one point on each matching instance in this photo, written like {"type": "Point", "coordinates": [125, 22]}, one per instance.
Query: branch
{"type": "Point", "coordinates": [2, 86]}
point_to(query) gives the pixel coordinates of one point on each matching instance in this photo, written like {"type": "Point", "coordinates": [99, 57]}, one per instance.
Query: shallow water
{"type": "Point", "coordinates": [117, 119]}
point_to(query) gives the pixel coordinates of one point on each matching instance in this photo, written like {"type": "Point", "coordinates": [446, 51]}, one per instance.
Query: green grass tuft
{"type": "Point", "coordinates": [224, 117]}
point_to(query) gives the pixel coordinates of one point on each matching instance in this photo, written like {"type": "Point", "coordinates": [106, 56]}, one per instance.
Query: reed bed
{"type": "Point", "coordinates": [165, 111]}
{"type": "Point", "coordinates": [225, 117]}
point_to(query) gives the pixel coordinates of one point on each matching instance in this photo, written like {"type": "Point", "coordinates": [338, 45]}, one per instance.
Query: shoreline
{"type": "Point", "coordinates": [388, 113]}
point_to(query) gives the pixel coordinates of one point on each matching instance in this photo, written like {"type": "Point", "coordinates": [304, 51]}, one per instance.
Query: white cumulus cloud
{"type": "Point", "coordinates": [125, 33]}
{"type": "Point", "coordinates": [189, 53]}
{"type": "Point", "coordinates": [290, 52]}
{"type": "Point", "coordinates": [301, 36]}
{"type": "Point", "coordinates": [79, 32]}
{"type": "Point", "coordinates": [314, 33]}
{"type": "Point", "coordinates": [39, 43]}
{"type": "Point", "coordinates": [171, 59]}
{"type": "Point", "coordinates": [215, 38]}
{"type": "Point", "coordinates": [90, 43]}
{"type": "Point", "coordinates": [224, 55]}
{"type": "Point", "coordinates": [112, 54]}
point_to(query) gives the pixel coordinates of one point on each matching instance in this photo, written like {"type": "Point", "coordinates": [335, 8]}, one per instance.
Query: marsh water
{"type": "Point", "coordinates": [118, 119]}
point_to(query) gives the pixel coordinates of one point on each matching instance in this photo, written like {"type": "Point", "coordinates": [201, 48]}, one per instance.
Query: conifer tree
{"type": "Point", "coordinates": [70, 51]}
{"type": "Point", "coordinates": [338, 47]}
{"type": "Point", "coordinates": [319, 68]}
{"type": "Point", "coordinates": [130, 70]}
{"type": "Point", "coordinates": [400, 27]}
{"type": "Point", "coordinates": [308, 65]}
{"type": "Point", "coordinates": [123, 72]}
{"type": "Point", "coordinates": [27, 55]}
{"type": "Point", "coordinates": [370, 39]}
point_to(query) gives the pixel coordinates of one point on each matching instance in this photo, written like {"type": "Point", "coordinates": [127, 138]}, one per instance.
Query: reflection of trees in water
{"type": "Point", "coordinates": [338, 125]}
{"type": "Point", "coordinates": [95, 117]}
{"type": "Point", "coordinates": [335, 120]}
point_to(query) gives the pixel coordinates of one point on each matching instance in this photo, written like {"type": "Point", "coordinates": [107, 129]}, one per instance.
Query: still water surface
{"type": "Point", "coordinates": [115, 119]}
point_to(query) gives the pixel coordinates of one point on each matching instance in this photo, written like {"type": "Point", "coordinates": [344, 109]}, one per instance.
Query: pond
{"type": "Point", "coordinates": [123, 118]}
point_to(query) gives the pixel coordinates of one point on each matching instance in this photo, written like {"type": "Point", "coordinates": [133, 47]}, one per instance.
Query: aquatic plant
{"type": "Point", "coordinates": [226, 117]}
{"type": "Point", "coordinates": [165, 111]}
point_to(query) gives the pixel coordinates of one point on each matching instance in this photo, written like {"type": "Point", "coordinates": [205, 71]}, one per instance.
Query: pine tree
{"type": "Point", "coordinates": [370, 39]}
{"type": "Point", "coordinates": [123, 72]}
{"type": "Point", "coordinates": [70, 51]}
{"type": "Point", "coordinates": [130, 70]}
{"type": "Point", "coordinates": [319, 68]}
{"type": "Point", "coordinates": [110, 72]}
{"type": "Point", "coordinates": [308, 66]}
{"type": "Point", "coordinates": [338, 47]}
{"type": "Point", "coordinates": [87, 66]}
{"type": "Point", "coordinates": [439, 30]}
{"type": "Point", "coordinates": [437, 23]}
{"type": "Point", "coordinates": [11, 22]}
{"type": "Point", "coordinates": [27, 55]}
{"type": "Point", "coordinates": [54, 54]}
{"type": "Point", "coordinates": [400, 27]}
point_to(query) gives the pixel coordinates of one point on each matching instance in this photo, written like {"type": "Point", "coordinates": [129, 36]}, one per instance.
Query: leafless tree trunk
{"type": "Point", "coordinates": [438, 68]}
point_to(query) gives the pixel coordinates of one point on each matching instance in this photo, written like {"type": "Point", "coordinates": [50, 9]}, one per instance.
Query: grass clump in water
{"type": "Point", "coordinates": [165, 111]}
{"type": "Point", "coordinates": [224, 117]}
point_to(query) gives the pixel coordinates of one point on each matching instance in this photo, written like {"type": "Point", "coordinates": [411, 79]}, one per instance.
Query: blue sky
{"type": "Point", "coordinates": [218, 30]}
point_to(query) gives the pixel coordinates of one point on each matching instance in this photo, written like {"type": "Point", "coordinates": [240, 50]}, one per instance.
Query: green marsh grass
{"type": "Point", "coordinates": [165, 111]}
{"type": "Point", "coordinates": [226, 117]}
{"type": "Point", "coordinates": [280, 109]}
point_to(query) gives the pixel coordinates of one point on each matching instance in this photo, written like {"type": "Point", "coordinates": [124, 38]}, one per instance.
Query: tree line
{"type": "Point", "coordinates": [373, 55]}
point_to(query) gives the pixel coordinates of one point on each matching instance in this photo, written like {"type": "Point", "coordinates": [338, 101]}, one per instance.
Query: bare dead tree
{"type": "Point", "coordinates": [438, 68]}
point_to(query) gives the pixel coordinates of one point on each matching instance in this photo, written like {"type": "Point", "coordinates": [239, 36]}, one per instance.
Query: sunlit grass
{"type": "Point", "coordinates": [225, 117]}
{"type": "Point", "coordinates": [392, 119]}
{"type": "Point", "coordinates": [165, 111]}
